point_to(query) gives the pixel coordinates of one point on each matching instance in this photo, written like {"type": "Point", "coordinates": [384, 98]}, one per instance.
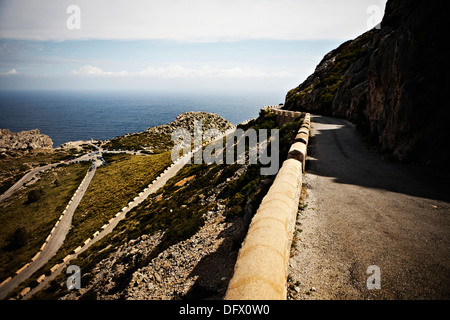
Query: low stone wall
{"type": "Point", "coordinates": [283, 116]}
{"type": "Point", "coordinates": [260, 272]}
{"type": "Point", "coordinates": [298, 152]}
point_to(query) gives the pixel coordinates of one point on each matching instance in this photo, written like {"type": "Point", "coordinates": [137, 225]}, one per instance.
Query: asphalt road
{"type": "Point", "coordinates": [155, 186]}
{"type": "Point", "coordinates": [61, 230]}
{"type": "Point", "coordinates": [56, 239]}
{"type": "Point", "coordinates": [362, 211]}
{"type": "Point", "coordinates": [32, 173]}
{"type": "Point", "coordinates": [27, 177]}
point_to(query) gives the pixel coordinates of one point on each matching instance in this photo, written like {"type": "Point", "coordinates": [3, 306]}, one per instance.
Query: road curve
{"type": "Point", "coordinates": [363, 211]}
{"type": "Point", "coordinates": [169, 173]}
{"type": "Point", "coordinates": [33, 172]}
{"type": "Point", "coordinates": [27, 177]}
{"type": "Point", "coordinates": [60, 231]}
{"type": "Point", "coordinates": [56, 239]}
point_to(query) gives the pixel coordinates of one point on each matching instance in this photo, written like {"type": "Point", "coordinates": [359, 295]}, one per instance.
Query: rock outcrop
{"type": "Point", "coordinates": [24, 140]}
{"type": "Point", "coordinates": [186, 121]}
{"type": "Point", "coordinates": [391, 82]}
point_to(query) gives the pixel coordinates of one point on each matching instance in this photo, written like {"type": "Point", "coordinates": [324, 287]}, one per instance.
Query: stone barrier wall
{"type": "Point", "coordinates": [283, 116]}
{"type": "Point", "coordinates": [260, 272]}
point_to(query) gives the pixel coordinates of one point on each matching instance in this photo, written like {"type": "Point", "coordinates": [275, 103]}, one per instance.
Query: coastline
{"type": "Point", "coordinates": [103, 115]}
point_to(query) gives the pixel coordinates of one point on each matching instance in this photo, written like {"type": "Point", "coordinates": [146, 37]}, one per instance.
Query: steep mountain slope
{"type": "Point", "coordinates": [391, 82]}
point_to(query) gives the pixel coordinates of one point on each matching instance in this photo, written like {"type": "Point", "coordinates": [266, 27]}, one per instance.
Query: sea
{"type": "Point", "coordinates": [101, 115]}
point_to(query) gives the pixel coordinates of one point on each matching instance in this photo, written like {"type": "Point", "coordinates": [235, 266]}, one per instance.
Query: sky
{"type": "Point", "coordinates": [173, 45]}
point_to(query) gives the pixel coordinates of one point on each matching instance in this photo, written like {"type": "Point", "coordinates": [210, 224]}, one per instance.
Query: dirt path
{"type": "Point", "coordinates": [365, 211]}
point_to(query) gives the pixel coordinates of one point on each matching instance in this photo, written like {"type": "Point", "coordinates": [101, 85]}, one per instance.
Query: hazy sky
{"type": "Point", "coordinates": [181, 45]}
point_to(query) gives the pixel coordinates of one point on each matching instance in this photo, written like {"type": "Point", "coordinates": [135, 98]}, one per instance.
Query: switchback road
{"type": "Point", "coordinates": [56, 239]}
{"type": "Point", "coordinates": [27, 177]}
{"type": "Point", "coordinates": [169, 173]}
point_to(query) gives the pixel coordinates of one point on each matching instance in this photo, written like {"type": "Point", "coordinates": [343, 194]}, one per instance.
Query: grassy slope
{"type": "Point", "coordinates": [38, 218]}
{"type": "Point", "coordinates": [112, 187]}
{"type": "Point", "coordinates": [138, 141]}
{"type": "Point", "coordinates": [13, 168]}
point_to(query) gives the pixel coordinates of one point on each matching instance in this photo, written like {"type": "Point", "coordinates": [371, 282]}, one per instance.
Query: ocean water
{"type": "Point", "coordinates": [70, 116]}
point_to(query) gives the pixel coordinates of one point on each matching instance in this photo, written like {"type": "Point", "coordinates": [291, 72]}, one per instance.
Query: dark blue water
{"type": "Point", "coordinates": [71, 116]}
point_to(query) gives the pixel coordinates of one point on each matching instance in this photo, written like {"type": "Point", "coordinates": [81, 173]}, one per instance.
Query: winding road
{"type": "Point", "coordinates": [58, 235]}
{"type": "Point", "coordinates": [170, 172]}
{"type": "Point", "coordinates": [364, 211]}
{"type": "Point", "coordinates": [27, 177]}
{"type": "Point", "coordinates": [159, 183]}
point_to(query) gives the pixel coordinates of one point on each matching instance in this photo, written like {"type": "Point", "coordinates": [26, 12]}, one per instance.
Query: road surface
{"type": "Point", "coordinates": [364, 211]}
{"type": "Point", "coordinates": [27, 177]}
{"type": "Point", "coordinates": [33, 172]}
{"type": "Point", "coordinates": [56, 239]}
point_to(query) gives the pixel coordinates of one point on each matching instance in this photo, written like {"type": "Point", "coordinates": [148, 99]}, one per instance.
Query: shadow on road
{"type": "Point", "coordinates": [336, 150]}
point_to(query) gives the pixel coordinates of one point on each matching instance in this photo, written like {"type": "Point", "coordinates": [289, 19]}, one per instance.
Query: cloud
{"type": "Point", "coordinates": [97, 72]}
{"type": "Point", "coordinates": [181, 72]}
{"type": "Point", "coordinates": [182, 20]}
{"type": "Point", "coordinates": [9, 73]}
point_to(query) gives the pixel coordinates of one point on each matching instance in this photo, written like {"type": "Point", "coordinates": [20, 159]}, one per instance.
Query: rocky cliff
{"type": "Point", "coordinates": [391, 82]}
{"type": "Point", "coordinates": [24, 140]}
{"type": "Point", "coordinates": [186, 120]}
{"type": "Point", "coordinates": [158, 139]}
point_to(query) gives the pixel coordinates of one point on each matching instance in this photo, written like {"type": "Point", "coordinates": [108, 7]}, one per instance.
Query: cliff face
{"type": "Point", "coordinates": [391, 82]}
{"type": "Point", "coordinates": [24, 140]}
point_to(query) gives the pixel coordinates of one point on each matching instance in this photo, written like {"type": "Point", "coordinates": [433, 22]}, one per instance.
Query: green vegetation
{"type": "Point", "coordinates": [13, 165]}
{"type": "Point", "coordinates": [251, 186]}
{"type": "Point", "coordinates": [17, 239]}
{"type": "Point", "coordinates": [25, 224]}
{"type": "Point", "coordinates": [157, 143]}
{"type": "Point", "coordinates": [327, 84]}
{"type": "Point", "coordinates": [112, 187]}
{"type": "Point", "coordinates": [35, 195]}
{"type": "Point", "coordinates": [176, 208]}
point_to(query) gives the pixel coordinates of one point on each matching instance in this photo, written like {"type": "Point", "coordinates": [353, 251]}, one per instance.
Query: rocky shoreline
{"type": "Point", "coordinates": [24, 140]}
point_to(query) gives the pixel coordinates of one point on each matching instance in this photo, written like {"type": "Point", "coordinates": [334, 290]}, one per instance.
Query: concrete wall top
{"type": "Point", "coordinates": [260, 272]}
{"type": "Point", "coordinates": [261, 268]}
